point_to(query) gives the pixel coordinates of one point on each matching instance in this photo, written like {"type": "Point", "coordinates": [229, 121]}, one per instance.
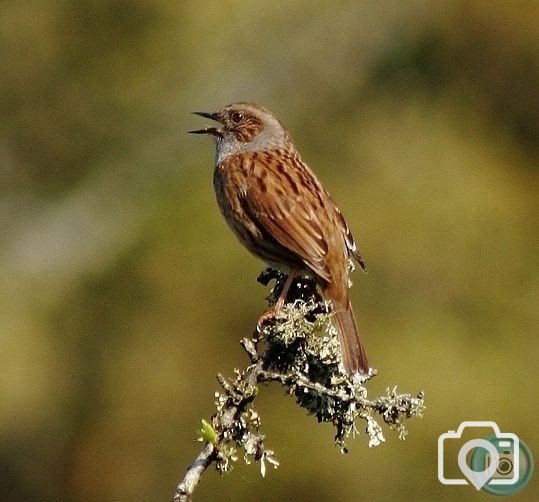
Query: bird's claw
{"type": "Point", "coordinates": [265, 318]}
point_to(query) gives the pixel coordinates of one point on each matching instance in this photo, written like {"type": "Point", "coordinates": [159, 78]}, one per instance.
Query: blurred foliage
{"type": "Point", "coordinates": [123, 293]}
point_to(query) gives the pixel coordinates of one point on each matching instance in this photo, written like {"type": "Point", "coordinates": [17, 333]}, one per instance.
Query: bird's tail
{"type": "Point", "coordinates": [353, 350]}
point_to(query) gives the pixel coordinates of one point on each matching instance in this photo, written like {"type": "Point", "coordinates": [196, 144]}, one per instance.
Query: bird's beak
{"type": "Point", "coordinates": [209, 130]}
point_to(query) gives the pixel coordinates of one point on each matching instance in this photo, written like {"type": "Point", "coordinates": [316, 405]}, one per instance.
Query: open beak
{"type": "Point", "coordinates": [208, 130]}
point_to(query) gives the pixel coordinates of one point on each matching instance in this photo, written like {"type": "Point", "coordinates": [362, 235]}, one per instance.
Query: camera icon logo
{"type": "Point", "coordinates": [501, 464]}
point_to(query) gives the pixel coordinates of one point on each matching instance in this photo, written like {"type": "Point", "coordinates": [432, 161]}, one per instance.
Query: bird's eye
{"type": "Point", "coordinates": [236, 117]}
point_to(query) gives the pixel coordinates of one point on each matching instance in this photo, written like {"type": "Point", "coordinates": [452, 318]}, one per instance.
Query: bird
{"type": "Point", "coordinates": [279, 210]}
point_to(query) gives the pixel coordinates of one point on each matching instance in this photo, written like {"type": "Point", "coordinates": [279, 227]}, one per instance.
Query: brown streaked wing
{"type": "Point", "coordinates": [349, 238]}
{"type": "Point", "coordinates": [287, 209]}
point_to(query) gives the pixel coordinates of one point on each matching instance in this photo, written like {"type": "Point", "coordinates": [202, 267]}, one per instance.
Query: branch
{"type": "Point", "coordinates": [187, 486]}
{"type": "Point", "coordinates": [299, 348]}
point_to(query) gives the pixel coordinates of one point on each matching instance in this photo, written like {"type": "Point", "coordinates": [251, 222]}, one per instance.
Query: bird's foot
{"type": "Point", "coordinates": [266, 318]}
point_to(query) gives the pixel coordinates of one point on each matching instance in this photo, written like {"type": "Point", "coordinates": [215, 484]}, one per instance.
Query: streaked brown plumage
{"type": "Point", "coordinates": [281, 213]}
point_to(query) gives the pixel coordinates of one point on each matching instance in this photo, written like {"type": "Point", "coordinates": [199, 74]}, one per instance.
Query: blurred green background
{"type": "Point", "coordinates": [123, 293]}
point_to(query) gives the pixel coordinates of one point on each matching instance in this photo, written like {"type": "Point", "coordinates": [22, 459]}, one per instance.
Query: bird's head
{"type": "Point", "coordinates": [244, 127]}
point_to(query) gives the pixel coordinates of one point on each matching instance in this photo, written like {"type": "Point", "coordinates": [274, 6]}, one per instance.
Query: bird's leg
{"type": "Point", "coordinates": [275, 309]}
{"type": "Point", "coordinates": [284, 292]}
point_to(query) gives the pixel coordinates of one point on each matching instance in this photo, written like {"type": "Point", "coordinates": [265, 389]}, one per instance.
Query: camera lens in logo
{"type": "Point", "coordinates": [505, 467]}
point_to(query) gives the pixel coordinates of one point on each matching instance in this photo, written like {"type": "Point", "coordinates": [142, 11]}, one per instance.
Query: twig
{"type": "Point", "coordinates": [301, 352]}
{"type": "Point", "coordinates": [209, 453]}
{"type": "Point", "coordinates": [185, 489]}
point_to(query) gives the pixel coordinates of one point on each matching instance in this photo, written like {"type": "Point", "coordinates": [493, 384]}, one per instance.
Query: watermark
{"type": "Point", "coordinates": [500, 464]}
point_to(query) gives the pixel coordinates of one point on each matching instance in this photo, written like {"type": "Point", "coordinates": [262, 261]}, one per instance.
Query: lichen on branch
{"type": "Point", "coordinates": [299, 348]}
